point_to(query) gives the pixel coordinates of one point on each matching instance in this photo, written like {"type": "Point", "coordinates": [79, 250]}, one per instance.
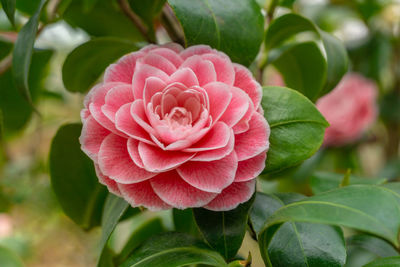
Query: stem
{"type": "Point", "coordinates": [271, 10]}
{"type": "Point", "coordinates": [171, 26]}
{"type": "Point", "coordinates": [136, 20]}
{"type": "Point", "coordinates": [6, 63]}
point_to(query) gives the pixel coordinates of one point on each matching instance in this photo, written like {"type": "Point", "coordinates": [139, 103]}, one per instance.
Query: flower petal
{"type": "Point", "coordinates": [115, 98]}
{"type": "Point", "coordinates": [245, 81]}
{"type": "Point", "coordinates": [216, 154]}
{"type": "Point", "coordinates": [211, 176]}
{"type": "Point", "coordinates": [152, 86]}
{"type": "Point", "coordinates": [250, 168]}
{"type": "Point", "coordinates": [92, 136]}
{"type": "Point", "coordinates": [222, 65]}
{"type": "Point", "coordinates": [219, 95]}
{"type": "Point", "coordinates": [196, 50]}
{"type": "Point", "coordinates": [237, 108]}
{"type": "Point", "coordinates": [217, 137]}
{"type": "Point", "coordinates": [142, 72]}
{"type": "Point", "coordinates": [123, 70]}
{"type": "Point", "coordinates": [133, 150]}
{"type": "Point", "coordinates": [170, 187]}
{"type": "Point", "coordinates": [111, 184]}
{"type": "Point", "coordinates": [185, 76]}
{"type": "Point", "coordinates": [203, 69]}
{"type": "Point", "coordinates": [159, 62]}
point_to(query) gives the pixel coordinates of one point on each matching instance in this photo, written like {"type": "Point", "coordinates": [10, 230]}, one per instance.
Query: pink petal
{"type": "Point", "coordinates": [115, 162]}
{"type": "Point", "coordinates": [99, 116]}
{"type": "Point", "coordinates": [123, 70]}
{"type": "Point", "coordinates": [243, 125]}
{"type": "Point", "coordinates": [139, 115]}
{"type": "Point", "coordinates": [255, 140]}
{"type": "Point", "coordinates": [220, 96]}
{"type": "Point", "coordinates": [211, 176]}
{"type": "Point", "coordinates": [237, 108]}
{"type": "Point", "coordinates": [245, 81]}
{"type": "Point", "coordinates": [152, 86]}
{"type": "Point", "coordinates": [142, 194]}
{"type": "Point", "coordinates": [250, 168]}
{"type": "Point", "coordinates": [142, 72]}
{"type": "Point", "coordinates": [115, 98]}
{"type": "Point", "coordinates": [216, 154]}
{"type": "Point", "coordinates": [217, 137]}
{"type": "Point", "coordinates": [111, 184]}
{"type": "Point", "coordinates": [126, 124]}
{"type": "Point", "coordinates": [133, 150]}
{"type": "Point", "coordinates": [204, 69]}
{"type": "Point", "coordinates": [156, 160]}
{"type": "Point", "coordinates": [196, 50]}
{"type": "Point", "coordinates": [185, 76]}
{"type": "Point", "coordinates": [170, 187]}
{"type": "Point", "coordinates": [92, 136]}
{"type": "Point", "coordinates": [159, 62]}
{"type": "Point", "coordinates": [232, 196]}
{"type": "Point", "coordinates": [223, 67]}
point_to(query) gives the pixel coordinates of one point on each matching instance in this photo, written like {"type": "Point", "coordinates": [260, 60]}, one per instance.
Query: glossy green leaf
{"type": "Point", "coordinates": [149, 228]}
{"type": "Point", "coordinates": [114, 208]}
{"type": "Point", "coordinates": [173, 250]}
{"type": "Point", "coordinates": [297, 127]}
{"type": "Point", "coordinates": [9, 9]}
{"type": "Point", "coordinates": [235, 27]}
{"type": "Point", "coordinates": [105, 18]}
{"type": "Point", "coordinates": [297, 243]}
{"type": "Point", "coordinates": [87, 62]}
{"type": "Point", "coordinates": [184, 221]}
{"type": "Point", "coordinates": [325, 181]}
{"type": "Point", "coordinates": [22, 55]}
{"type": "Point", "coordinates": [16, 110]}
{"type": "Point", "coordinates": [9, 259]}
{"type": "Point", "coordinates": [224, 230]}
{"type": "Point", "coordinates": [367, 208]}
{"type": "Point", "coordinates": [303, 67]}
{"type": "Point", "coordinates": [74, 180]}
{"type": "Point", "coordinates": [385, 262]}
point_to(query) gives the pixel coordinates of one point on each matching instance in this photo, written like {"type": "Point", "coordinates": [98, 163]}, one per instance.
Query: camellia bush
{"type": "Point", "coordinates": [211, 132]}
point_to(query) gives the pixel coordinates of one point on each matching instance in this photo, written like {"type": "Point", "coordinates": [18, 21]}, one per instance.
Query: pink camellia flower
{"type": "Point", "coordinates": [174, 127]}
{"type": "Point", "coordinates": [350, 109]}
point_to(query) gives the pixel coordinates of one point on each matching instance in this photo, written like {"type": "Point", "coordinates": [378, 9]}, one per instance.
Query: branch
{"type": "Point", "coordinates": [171, 26]}
{"type": "Point", "coordinates": [135, 19]}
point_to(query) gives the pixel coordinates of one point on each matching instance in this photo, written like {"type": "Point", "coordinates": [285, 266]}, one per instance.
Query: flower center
{"type": "Point", "coordinates": [177, 117]}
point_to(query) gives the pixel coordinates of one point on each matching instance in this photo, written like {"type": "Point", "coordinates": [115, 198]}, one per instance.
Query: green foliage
{"type": "Point", "coordinates": [385, 262]}
{"type": "Point", "coordinates": [74, 180]}
{"type": "Point", "coordinates": [297, 128]}
{"type": "Point", "coordinates": [232, 26]}
{"type": "Point", "coordinates": [87, 62]}
{"type": "Point", "coordinates": [184, 221]}
{"type": "Point", "coordinates": [9, 259]}
{"type": "Point", "coordinates": [9, 9]}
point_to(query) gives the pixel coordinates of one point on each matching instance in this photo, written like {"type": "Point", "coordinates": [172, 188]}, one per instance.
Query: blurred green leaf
{"type": "Point", "coordinates": [325, 181]}
{"type": "Point", "coordinates": [22, 55]}
{"type": "Point", "coordinates": [27, 6]}
{"type": "Point", "coordinates": [9, 9]}
{"type": "Point", "coordinates": [385, 262]}
{"type": "Point", "coordinates": [297, 127]}
{"type": "Point", "coordinates": [367, 208]}
{"type": "Point", "coordinates": [298, 243]}
{"type": "Point", "coordinates": [173, 250]}
{"type": "Point", "coordinates": [184, 221]}
{"type": "Point", "coordinates": [9, 259]}
{"type": "Point", "coordinates": [84, 65]}
{"type": "Point", "coordinates": [74, 180]}
{"type": "Point", "coordinates": [235, 27]}
{"type": "Point", "coordinates": [114, 209]}
{"type": "Point", "coordinates": [224, 230]}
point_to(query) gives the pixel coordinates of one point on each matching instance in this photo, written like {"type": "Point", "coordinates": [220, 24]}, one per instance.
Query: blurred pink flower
{"type": "Point", "coordinates": [6, 226]}
{"type": "Point", "coordinates": [174, 127]}
{"type": "Point", "coordinates": [350, 109]}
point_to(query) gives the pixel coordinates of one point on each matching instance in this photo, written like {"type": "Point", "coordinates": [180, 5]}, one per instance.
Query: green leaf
{"type": "Point", "coordinates": [9, 259]}
{"type": "Point", "coordinates": [297, 243]}
{"type": "Point", "coordinates": [235, 27]}
{"type": "Point", "coordinates": [184, 221]}
{"type": "Point", "coordinates": [303, 68]}
{"type": "Point", "coordinates": [224, 230]}
{"type": "Point", "coordinates": [84, 65]}
{"type": "Point", "coordinates": [289, 25]}
{"type": "Point", "coordinates": [385, 262]}
{"type": "Point", "coordinates": [114, 209]}
{"type": "Point", "coordinates": [325, 181]}
{"type": "Point", "coordinates": [147, 10]}
{"type": "Point", "coordinates": [105, 18]}
{"type": "Point", "coordinates": [149, 228]}
{"type": "Point", "coordinates": [297, 127]}
{"type": "Point", "coordinates": [9, 9]}
{"type": "Point", "coordinates": [367, 208]}
{"type": "Point", "coordinates": [23, 50]}
{"type": "Point", "coordinates": [16, 110]}
{"type": "Point", "coordinates": [173, 250]}
{"type": "Point", "coordinates": [74, 180]}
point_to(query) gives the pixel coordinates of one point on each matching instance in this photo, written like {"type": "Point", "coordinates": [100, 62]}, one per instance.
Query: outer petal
{"type": "Point", "coordinates": [170, 187]}
{"type": "Point", "coordinates": [155, 159]}
{"type": "Point", "coordinates": [219, 95]}
{"type": "Point", "coordinates": [196, 50]}
{"type": "Point", "coordinates": [111, 184]}
{"type": "Point", "coordinates": [217, 137]}
{"type": "Point", "coordinates": [115, 162]}
{"type": "Point", "coordinates": [237, 108]}
{"type": "Point", "coordinates": [204, 69]}
{"type": "Point", "coordinates": [211, 176]}
{"type": "Point", "coordinates": [123, 70]}
{"type": "Point", "coordinates": [92, 136]}
{"type": "Point", "coordinates": [159, 62]}
{"type": "Point", "coordinates": [142, 72]}
{"type": "Point", "coordinates": [250, 168]}
{"type": "Point", "coordinates": [133, 150]}
{"type": "Point", "coordinates": [216, 154]}
{"type": "Point", "coordinates": [245, 81]}
{"type": "Point", "coordinates": [255, 140]}
{"type": "Point", "coordinates": [142, 194]}
{"type": "Point", "coordinates": [232, 196]}
{"type": "Point", "coordinates": [223, 67]}
{"type": "Point", "coordinates": [115, 98]}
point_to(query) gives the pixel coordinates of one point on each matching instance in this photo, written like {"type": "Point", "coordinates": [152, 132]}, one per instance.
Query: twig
{"type": "Point", "coordinates": [135, 19]}
{"type": "Point", "coordinates": [171, 26]}
{"type": "Point", "coordinates": [6, 63]}
{"type": "Point", "coordinates": [271, 10]}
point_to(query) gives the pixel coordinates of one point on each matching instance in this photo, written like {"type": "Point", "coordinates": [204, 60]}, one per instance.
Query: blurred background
{"type": "Point", "coordinates": [32, 224]}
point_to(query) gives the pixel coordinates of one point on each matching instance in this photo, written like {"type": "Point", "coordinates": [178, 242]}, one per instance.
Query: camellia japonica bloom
{"type": "Point", "coordinates": [350, 109]}
{"type": "Point", "coordinates": [173, 127]}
